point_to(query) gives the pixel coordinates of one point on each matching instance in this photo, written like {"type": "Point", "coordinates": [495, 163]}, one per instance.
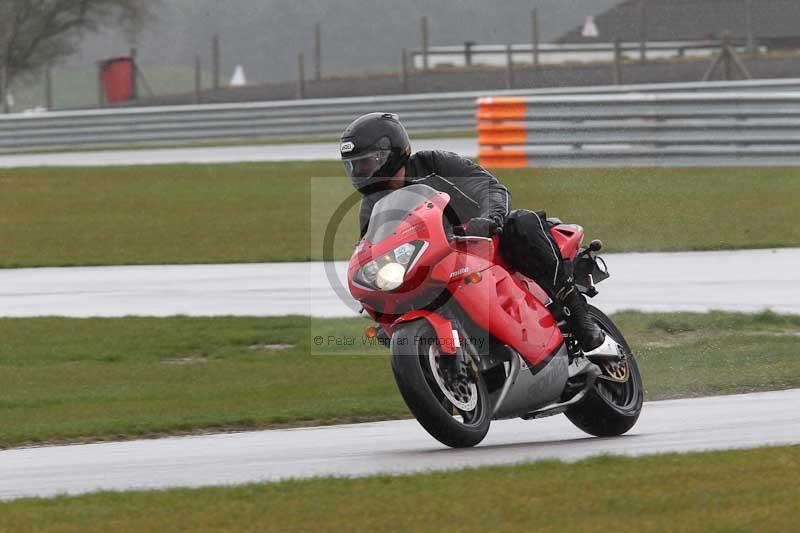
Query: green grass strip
{"type": "Point", "coordinates": [745, 490]}
{"type": "Point", "coordinates": [73, 380]}
{"type": "Point", "coordinates": [243, 213]}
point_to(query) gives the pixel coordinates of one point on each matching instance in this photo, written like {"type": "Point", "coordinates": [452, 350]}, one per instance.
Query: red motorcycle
{"type": "Point", "coordinates": [474, 341]}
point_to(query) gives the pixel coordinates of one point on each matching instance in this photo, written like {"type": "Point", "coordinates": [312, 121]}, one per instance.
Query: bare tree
{"type": "Point", "coordinates": [36, 33]}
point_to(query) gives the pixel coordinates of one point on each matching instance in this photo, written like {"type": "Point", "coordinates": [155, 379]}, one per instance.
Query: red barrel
{"type": "Point", "coordinates": [117, 77]}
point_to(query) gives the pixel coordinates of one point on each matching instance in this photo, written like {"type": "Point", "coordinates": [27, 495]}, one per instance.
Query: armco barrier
{"type": "Point", "coordinates": [300, 118]}
{"type": "Point", "coordinates": [613, 130]}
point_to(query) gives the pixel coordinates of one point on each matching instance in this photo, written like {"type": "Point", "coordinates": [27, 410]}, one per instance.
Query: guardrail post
{"type": "Point", "coordinates": [48, 87]}
{"type": "Point", "coordinates": [617, 61]}
{"type": "Point", "coordinates": [726, 43]}
{"type": "Point", "coordinates": [215, 54]}
{"type": "Point", "coordinates": [642, 30]}
{"type": "Point", "coordinates": [509, 68]}
{"type": "Point", "coordinates": [317, 52]}
{"type": "Point", "coordinates": [135, 75]}
{"type": "Point", "coordinates": [748, 21]}
{"type": "Point", "coordinates": [535, 37]}
{"type": "Point", "coordinates": [404, 70]}
{"type": "Point", "coordinates": [729, 60]}
{"type": "Point", "coordinates": [468, 53]}
{"type": "Point", "coordinates": [198, 80]}
{"type": "Point", "coordinates": [424, 37]}
{"type": "Point", "coordinates": [301, 77]}
{"type": "Point", "coordinates": [101, 97]}
{"type": "Point", "coordinates": [743, 72]}
{"type": "Point", "coordinates": [3, 89]}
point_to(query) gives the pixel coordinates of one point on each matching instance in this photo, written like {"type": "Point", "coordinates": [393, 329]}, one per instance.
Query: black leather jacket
{"type": "Point", "coordinates": [473, 191]}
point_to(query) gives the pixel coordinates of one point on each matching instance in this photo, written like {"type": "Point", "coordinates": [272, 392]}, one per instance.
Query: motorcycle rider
{"type": "Point", "coordinates": [376, 153]}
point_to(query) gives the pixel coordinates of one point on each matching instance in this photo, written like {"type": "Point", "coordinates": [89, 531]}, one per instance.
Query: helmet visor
{"type": "Point", "coordinates": [362, 167]}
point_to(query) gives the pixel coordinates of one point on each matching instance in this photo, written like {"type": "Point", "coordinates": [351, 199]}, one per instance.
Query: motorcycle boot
{"type": "Point", "coordinates": [584, 328]}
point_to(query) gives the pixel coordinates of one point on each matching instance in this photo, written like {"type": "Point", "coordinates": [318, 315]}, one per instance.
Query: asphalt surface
{"type": "Point", "coordinates": [745, 280]}
{"type": "Point", "coordinates": [226, 154]}
{"type": "Point", "coordinates": [717, 423]}
{"type": "Point", "coordinates": [193, 290]}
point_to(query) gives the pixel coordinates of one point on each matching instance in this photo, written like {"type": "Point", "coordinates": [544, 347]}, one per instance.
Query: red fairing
{"type": "Point", "coordinates": [442, 327]}
{"type": "Point", "coordinates": [423, 224]}
{"type": "Point", "coordinates": [501, 304]}
{"type": "Point", "coordinates": [505, 303]}
{"type": "Point", "coordinates": [569, 238]}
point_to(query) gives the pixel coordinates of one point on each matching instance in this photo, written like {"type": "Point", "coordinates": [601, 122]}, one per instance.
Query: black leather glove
{"type": "Point", "coordinates": [482, 227]}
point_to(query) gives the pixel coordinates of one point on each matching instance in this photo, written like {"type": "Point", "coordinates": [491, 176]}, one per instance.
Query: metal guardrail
{"type": "Point", "coordinates": [438, 112]}
{"type": "Point", "coordinates": [719, 129]}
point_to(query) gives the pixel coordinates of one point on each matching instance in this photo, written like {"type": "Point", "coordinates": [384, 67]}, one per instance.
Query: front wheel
{"type": "Point", "coordinates": [455, 410]}
{"type": "Point", "coordinates": [614, 403]}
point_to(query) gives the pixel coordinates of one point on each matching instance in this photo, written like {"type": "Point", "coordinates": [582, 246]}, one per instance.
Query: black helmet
{"type": "Point", "coordinates": [374, 145]}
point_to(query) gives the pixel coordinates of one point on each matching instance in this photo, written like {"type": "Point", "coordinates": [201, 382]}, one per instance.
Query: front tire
{"type": "Point", "coordinates": [610, 408]}
{"type": "Point", "coordinates": [431, 400]}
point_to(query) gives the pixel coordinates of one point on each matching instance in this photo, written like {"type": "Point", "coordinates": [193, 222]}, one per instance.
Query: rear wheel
{"type": "Point", "coordinates": [613, 404]}
{"type": "Point", "coordinates": [453, 407]}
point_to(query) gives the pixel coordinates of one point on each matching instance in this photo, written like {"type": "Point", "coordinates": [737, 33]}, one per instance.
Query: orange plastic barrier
{"type": "Point", "coordinates": [501, 134]}
{"type": "Point", "coordinates": [501, 108]}
{"type": "Point", "coordinates": [503, 158]}
{"type": "Point", "coordinates": [499, 125]}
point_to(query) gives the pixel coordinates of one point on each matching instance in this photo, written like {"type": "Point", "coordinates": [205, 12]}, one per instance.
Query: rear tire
{"type": "Point", "coordinates": [610, 409]}
{"type": "Point", "coordinates": [425, 397]}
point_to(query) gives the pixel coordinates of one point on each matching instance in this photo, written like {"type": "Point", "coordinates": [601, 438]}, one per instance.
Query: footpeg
{"type": "Point", "coordinates": [609, 349]}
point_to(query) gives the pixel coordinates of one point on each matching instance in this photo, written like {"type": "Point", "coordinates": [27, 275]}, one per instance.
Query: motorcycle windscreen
{"type": "Point", "coordinates": [392, 209]}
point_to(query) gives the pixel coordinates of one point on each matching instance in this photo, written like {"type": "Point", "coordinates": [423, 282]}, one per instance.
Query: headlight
{"type": "Point", "coordinates": [387, 272]}
{"type": "Point", "coordinates": [370, 271]}
{"type": "Point", "coordinates": [390, 276]}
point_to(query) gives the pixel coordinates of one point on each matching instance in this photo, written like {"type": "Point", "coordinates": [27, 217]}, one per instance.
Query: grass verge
{"type": "Point", "coordinates": [743, 490]}
{"type": "Point", "coordinates": [244, 213]}
{"type": "Point", "coordinates": [72, 380]}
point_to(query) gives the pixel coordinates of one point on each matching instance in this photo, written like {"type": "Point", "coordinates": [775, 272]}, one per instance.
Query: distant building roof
{"type": "Point", "coordinates": [690, 20]}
